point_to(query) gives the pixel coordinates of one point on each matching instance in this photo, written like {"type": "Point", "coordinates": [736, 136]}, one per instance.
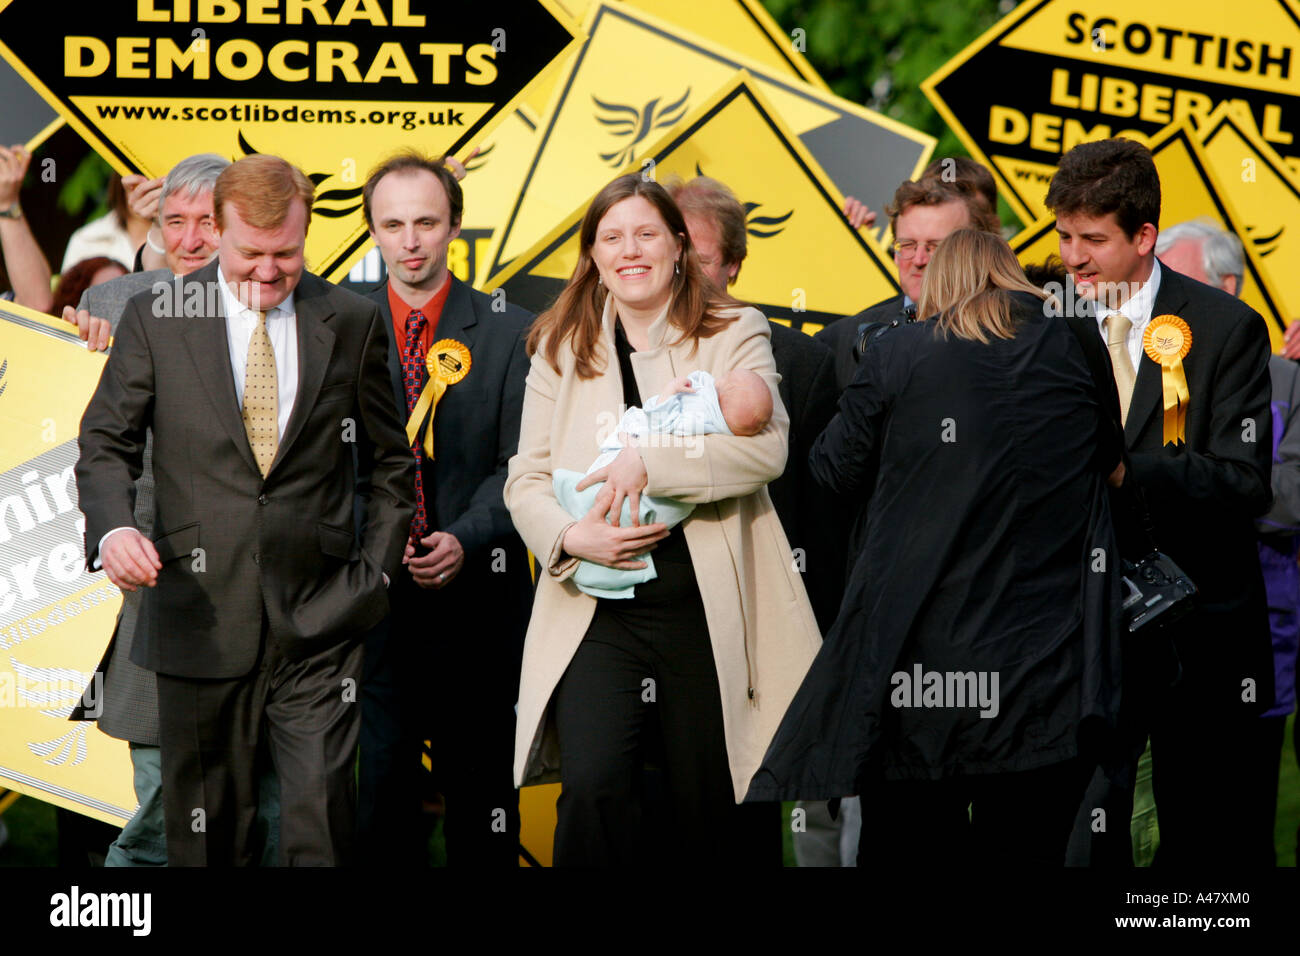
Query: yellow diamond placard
{"type": "Point", "coordinates": [55, 618]}
{"type": "Point", "coordinates": [332, 87]}
{"type": "Point", "coordinates": [1055, 73]}
{"type": "Point", "coordinates": [806, 266]}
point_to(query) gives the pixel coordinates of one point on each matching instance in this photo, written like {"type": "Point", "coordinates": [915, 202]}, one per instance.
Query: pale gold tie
{"type": "Point", "coordinates": [261, 401]}
{"type": "Point", "coordinates": [1117, 329]}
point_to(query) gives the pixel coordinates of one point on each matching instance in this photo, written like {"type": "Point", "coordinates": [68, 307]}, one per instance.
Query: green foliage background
{"type": "Point", "coordinates": [877, 52]}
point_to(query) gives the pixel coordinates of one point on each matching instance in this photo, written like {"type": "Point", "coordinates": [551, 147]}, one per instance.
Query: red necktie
{"type": "Point", "coordinates": [413, 373]}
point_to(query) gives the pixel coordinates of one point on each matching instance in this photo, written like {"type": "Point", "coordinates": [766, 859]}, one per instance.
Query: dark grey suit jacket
{"type": "Point", "coordinates": [128, 693]}
{"type": "Point", "coordinates": [236, 546]}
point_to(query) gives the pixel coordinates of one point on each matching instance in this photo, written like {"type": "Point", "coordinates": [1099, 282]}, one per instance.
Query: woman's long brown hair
{"type": "Point", "coordinates": [968, 286]}
{"type": "Point", "coordinates": [695, 308]}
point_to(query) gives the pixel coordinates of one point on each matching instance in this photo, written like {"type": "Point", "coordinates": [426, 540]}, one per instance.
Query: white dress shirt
{"type": "Point", "coordinates": [282, 327]}
{"type": "Point", "coordinates": [1137, 309]}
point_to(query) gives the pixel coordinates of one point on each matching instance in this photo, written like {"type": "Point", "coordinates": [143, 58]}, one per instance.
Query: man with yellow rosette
{"type": "Point", "coordinates": [1191, 370]}
{"type": "Point", "coordinates": [444, 667]}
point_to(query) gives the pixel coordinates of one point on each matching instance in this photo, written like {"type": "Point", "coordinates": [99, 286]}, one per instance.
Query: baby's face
{"type": "Point", "coordinates": [745, 400]}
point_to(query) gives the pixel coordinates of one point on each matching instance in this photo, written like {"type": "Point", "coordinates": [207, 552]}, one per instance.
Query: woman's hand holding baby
{"type": "Point", "coordinates": [593, 539]}
{"type": "Point", "coordinates": [626, 477]}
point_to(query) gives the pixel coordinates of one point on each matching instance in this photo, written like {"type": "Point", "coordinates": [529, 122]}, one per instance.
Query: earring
{"type": "Point", "coordinates": [599, 281]}
{"type": "Point", "coordinates": [677, 267]}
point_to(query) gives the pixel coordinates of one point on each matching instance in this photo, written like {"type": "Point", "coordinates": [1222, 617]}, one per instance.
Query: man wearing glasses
{"type": "Point", "coordinates": [921, 216]}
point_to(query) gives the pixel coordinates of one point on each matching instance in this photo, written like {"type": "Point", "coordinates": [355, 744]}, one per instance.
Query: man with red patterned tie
{"type": "Point", "coordinates": [445, 666]}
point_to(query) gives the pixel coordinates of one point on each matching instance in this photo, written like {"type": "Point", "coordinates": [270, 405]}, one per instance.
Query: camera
{"type": "Point", "coordinates": [1156, 589]}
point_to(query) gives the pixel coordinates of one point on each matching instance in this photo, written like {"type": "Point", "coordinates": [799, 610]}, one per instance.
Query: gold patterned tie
{"type": "Point", "coordinates": [261, 401]}
{"type": "Point", "coordinates": [1117, 329]}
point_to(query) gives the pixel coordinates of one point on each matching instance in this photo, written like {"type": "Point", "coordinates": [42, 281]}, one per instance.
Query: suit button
{"type": "Point", "coordinates": [257, 557]}
{"type": "Point", "coordinates": [262, 499]}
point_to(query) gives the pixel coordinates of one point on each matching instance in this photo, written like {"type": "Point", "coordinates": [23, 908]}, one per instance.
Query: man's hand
{"type": "Point", "coordinates": [93, 331]}
{"type": "Point", "coordinates": [857, 213]}
{"type": "Point", "coordinates": [13, 168]}
{"type": "Point", "coordinates": [592, 539]}
{"type": "Point", "coordinates": [458, 170]}
{"type": "Point", "coordinates": [143, 195]}
{"type": "Point", "coordinates": [443, 562]}
{"type": "Point", "coordinates": [130, 560]}
{"type": "Point", "coordinates": [1291, 340]}
{"type": "Point", "coordinates": [625, 476]}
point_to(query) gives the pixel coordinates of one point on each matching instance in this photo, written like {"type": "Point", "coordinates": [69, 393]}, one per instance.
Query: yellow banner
{"type": "Point", "coordinates": [55, 619]}
{"type": "Point", "coordinates": [606, 115]}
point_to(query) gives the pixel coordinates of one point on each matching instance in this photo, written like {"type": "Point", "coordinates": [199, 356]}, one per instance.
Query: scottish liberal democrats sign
{"type": "Point", "coordinates": [331, 85]}
{"type": "Point", "coordinates": [1055, 73]}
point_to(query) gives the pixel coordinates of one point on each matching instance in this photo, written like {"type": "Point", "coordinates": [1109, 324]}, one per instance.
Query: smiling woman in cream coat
{"type": "Point", "coordinates": [761, 628]}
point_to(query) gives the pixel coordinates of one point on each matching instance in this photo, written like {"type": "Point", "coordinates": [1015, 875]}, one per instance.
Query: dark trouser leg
{"type": "Point", "coordinates": [1265, 763]}
{"type": "Point", "coordinates": [473, 750]}
{"type": "Point", "coordinates": [388, 799]}
{"type": "Point", "coordinates": [703, 821]}
{"type": "Point", "coordinates": [1201, 775]}
{"type": "Point", "coordinates": [910, 824]}
{"type": "Point", "coordinates": [313, 724]}
{"type": "Point", "coordinates": [208, 731]}
{"type": "Point", "coordinates": [599, 718]}
{"type": "Point", "coordinates": [1024, 818]}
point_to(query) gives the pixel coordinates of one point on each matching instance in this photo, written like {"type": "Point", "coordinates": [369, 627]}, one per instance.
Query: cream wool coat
{"type": "Point", "coordinates": [761, 625]}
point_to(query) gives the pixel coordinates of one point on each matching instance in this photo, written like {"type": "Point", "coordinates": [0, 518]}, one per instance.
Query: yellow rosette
{"type": "Point", "coordinates": [447, 362]}
{"type": "Point", "coordinates": [1167, 341]}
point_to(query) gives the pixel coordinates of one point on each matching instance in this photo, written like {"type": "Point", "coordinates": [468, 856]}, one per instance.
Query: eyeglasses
{"type": "Point", "coordinates": [906, 248]}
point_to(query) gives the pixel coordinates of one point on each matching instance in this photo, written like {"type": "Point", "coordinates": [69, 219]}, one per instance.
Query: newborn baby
{"type": "Point", "coordinates": [738, 403]}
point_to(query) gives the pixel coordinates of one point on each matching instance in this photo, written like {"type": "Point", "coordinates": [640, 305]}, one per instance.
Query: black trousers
{"type": "Point", "coordinates": [214, 734]}
{"type": "Point", "coordinates": [439, 670]}
{"type": "Point", "coordinates": [643, 685]}
{"type": "Point", "coordinates": [1002, 819]}
{"type": "Point", "coordinates": [1204, 774]}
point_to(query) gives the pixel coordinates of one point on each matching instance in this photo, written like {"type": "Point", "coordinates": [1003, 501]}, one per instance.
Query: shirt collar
{"type": "Point", "coordinates": [233, 307]}
{"type": "Point", "coordinates": [1137, 309]}
{"type": "Point", "coordinates": [401, 308]}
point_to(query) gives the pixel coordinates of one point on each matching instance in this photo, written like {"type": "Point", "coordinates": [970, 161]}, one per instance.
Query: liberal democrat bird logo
{"type": "Point", "coordinates": [624, 121]}
{"type": "Point", "coordinates": [1266, 245]}
{"type": "Point", "coordinates": [332, 203]}
{"type": "Point", "coordinates": [56, 691]}
{"type": "Point", "coordinates": [760, 227]}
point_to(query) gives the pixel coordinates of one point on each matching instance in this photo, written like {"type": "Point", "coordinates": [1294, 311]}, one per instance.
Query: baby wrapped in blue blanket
{"type": "Point", "coordinates": [738, 403]}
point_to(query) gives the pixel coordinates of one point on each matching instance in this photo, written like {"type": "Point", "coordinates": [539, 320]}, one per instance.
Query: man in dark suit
{"type": "Point", "coordinates": [255, 378]}
{"type": "Point", "coordinates": [1198, 686]}
{"type": "Point", "coordinates": [921, 216]}
{"type": "Point", "coordinates": [445, 665]}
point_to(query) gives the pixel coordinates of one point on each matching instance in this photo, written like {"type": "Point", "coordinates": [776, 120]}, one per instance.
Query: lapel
{"type": "Point", "coordinates": [458, 319]}
{"type": "Point", "coordinates": [209, 348]}
{"type": "Point", "coordinates": [1148, 393]}
{"type": "Point", "coordinates": [315, 346]}
{"type": "Point", "coordinates": [379, 296]}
